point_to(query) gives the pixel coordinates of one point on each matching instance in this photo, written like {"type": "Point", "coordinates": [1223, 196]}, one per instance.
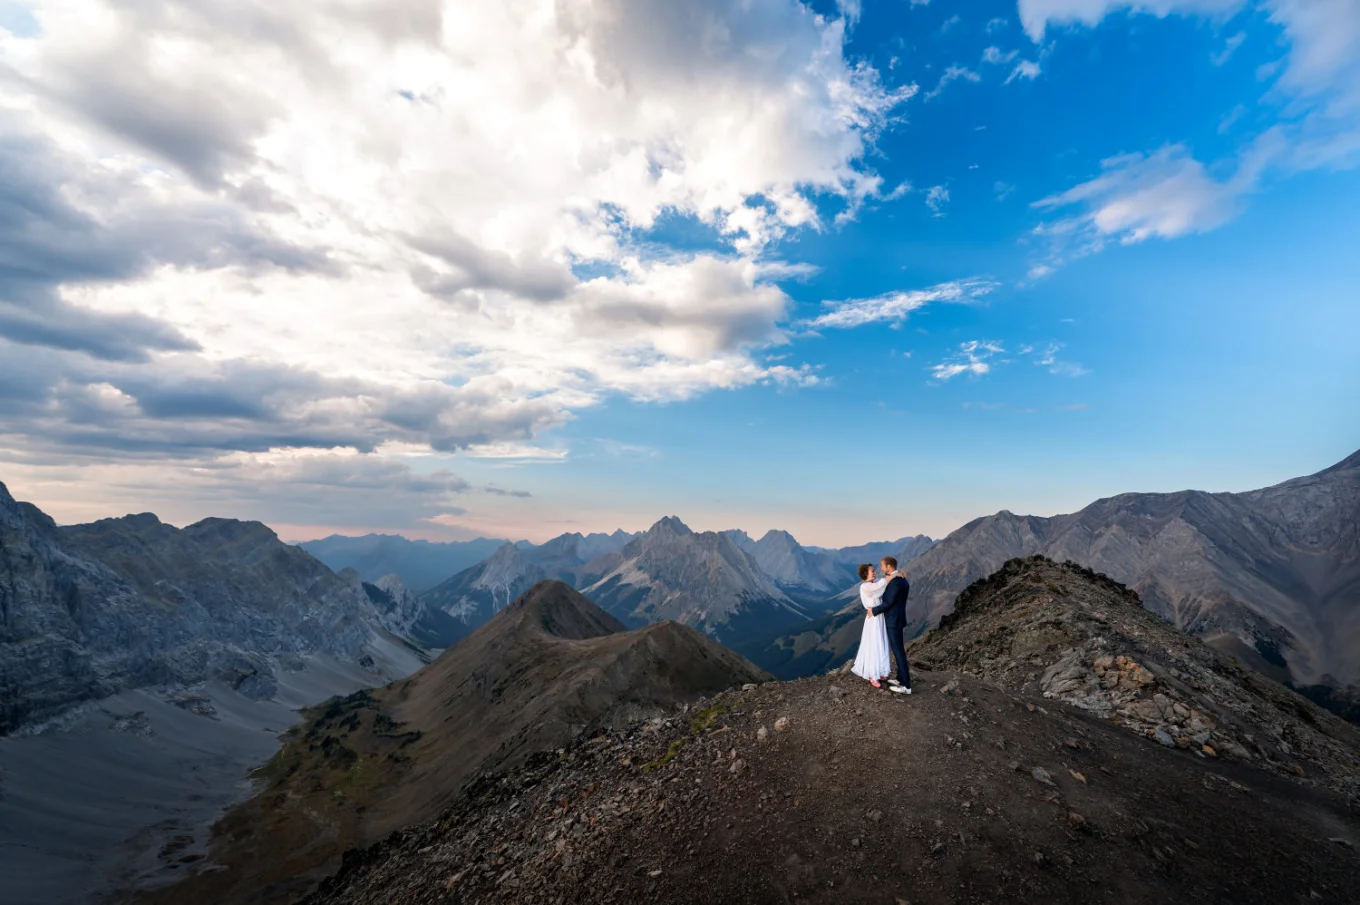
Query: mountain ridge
{"type": "Point", "coordinates": [1271, 576]}
{"type": "Point", "coordinates": [546, 668]}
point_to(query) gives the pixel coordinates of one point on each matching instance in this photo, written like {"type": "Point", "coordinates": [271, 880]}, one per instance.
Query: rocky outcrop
{"type": "Point", "coordinates": [88, 610]}
{"type": "Point", "coordinates": [1068, 634]}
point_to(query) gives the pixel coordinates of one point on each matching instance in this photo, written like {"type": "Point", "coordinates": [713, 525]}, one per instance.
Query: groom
{"type": "Point", "coordinates": [893, 608]}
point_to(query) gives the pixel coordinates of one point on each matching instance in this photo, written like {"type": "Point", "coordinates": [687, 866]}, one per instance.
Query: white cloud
{"type": "Point", "coordinates": [995, 56]}
{"type": "Point", "coordinates": [1025, 69]}
{"type": "Point", "coordinates": [1229, 48]}
{"type": "Point", "coordinates": [1037, 15]}
{"type": "Point", "coordinates": [850, 10]}
{"type": "Point", "coordinates": [1002, 190]}
{"type": "Point", "coordinates": [323, 225]}
{"type": "Point", "coordinates": [1047, 357]}
{"type": "Point", "coordinates": [895, 306]}
{"type": "Point", "coordinates": [1165, 194]}
{"type": "Point", "coordinates": [1323, 66]}
{"type": "Point", "coordinates": [995, 25]}
{"type": "Point", "coordinates": [951, 74]}
{"type": "Point", "coordinates": [937, 196]}
{"type": "Point", "coordinates": [972, 358]}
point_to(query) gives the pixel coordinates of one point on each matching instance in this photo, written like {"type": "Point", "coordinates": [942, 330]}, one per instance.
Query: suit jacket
{"type": "Point", "coordinates": [893, 607]}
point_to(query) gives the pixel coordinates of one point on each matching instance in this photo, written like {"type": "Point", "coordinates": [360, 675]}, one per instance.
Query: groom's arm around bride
{"type": "Point", "coordinates": [893, 607]}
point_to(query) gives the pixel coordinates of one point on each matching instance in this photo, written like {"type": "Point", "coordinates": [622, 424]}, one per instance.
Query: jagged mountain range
{"type": "Point", "coordinates": [547, 668]}
{"type": "Point", "coordinates": [723, 583]}
{"type": "Point", "coordinates": [90, 610]}
{"type": "Point", "coordinates": [1271, 576]}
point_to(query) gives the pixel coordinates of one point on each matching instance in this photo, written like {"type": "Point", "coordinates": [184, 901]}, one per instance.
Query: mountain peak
{"type": "Point", "coordinates": [776, 536]}
{"type": "Point", "coordinates": [669, 525]}
{"type": "Point", "coordinates": [558, 610]}
{"type": "Point", "coordinates": [1350, 463]}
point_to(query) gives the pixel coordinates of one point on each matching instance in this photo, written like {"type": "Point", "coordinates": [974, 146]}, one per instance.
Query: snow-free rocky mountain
{"type": "Point", "coordinates": [1070, 748]}
{"type": "Point", "coordinates": [87, 611]}
{"type": "Point", "coordinates": [702, 579]}
{"type": "Point", "coordinates": [1270, 576]}
{"type": "Point", "coordinates": [545, 670]}
{"type": "Point", "coordinates": [723, 583]}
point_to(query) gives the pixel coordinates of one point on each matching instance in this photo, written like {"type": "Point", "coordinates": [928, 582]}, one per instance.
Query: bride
{"type": "Point", "coordinates": [872, 663]}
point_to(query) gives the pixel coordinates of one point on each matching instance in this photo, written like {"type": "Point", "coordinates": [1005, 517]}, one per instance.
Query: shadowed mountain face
{"type": "Point", "coordinates": [89, 610]}
{"type": "Point", "coordinates": [1047, 780]}
{"type": "Point", "coordinates": [546, 669]}
{"type": "Point", "coordinates": [420, 564]}
{"type": "Point", "coordinates": [702, 579]}
{"type": "Point", "coordinates": [1271, 576]}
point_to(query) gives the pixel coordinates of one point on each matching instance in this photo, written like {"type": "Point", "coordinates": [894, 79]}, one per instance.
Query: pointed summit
{"type": "Point", "coordinates": [669, 525]}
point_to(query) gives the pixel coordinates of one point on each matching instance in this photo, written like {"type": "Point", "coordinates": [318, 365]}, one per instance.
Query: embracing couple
{"type": "Point", "coordinates": [885, 598]}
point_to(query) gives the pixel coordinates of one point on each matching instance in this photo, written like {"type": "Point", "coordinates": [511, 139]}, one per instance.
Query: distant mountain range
{"type": "Point", "coordinates": [722, 583]}
{"type": "Point", "coordinates": [90, 610]}
{"type": "Point", "coordinates": [1271, 576]}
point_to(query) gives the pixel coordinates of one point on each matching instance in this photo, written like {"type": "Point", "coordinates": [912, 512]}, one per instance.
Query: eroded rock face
{"type": "Point", "coordinates": [1270, 576]}
{"type": "Point", "coordinates": [1065, 632]}
{"type": "Point", "coordinates": [89, 610]}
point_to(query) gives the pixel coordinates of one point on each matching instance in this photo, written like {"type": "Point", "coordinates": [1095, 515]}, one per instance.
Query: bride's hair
{"type": "Point", "coordinates": [864, 571]}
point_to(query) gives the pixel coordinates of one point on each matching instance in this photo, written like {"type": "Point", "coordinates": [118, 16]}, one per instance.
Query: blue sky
{"type": "Point", "coordinates": [1124, 235]}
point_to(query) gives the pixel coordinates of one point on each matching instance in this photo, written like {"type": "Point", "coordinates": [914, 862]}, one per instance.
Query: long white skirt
{"type": "Point", "coordinates": [873, 661]}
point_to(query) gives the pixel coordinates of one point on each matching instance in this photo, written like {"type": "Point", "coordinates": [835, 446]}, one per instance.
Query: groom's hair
{"type": "Point", "coordinates": [890, 562]}
{"type": "Point", "coordinates": [864, 571]}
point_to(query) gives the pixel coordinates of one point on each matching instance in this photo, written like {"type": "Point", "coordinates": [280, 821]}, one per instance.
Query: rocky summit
{"type": "Point", "coordinates": [1064, 633]}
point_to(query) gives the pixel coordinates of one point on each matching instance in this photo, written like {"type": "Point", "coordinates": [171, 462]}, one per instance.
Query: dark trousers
{"type": "Point", "coordinates": [899, 652]}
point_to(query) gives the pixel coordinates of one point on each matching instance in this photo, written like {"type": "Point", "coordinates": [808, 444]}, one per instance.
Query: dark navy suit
{"type": "Point", "coordinates": [893, 609]}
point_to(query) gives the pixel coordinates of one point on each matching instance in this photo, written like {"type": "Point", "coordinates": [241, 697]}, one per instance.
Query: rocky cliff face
{"type": "Point", "coordinates": [88, 610]}
{"type": "Point", "coordinates": [701, 579]}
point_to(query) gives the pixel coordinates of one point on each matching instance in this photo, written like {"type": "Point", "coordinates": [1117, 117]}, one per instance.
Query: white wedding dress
{"type": "Point", "coordinates": [873, 662]}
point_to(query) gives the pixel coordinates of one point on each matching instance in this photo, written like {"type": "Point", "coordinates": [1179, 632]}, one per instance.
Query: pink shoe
{"type": "Point", "coordinates": [874, 682]}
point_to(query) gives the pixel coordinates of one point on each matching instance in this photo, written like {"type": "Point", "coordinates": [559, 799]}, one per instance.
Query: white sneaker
{"type": "Point", "coordinates": [899, 689]}
{"type": "Point", "coordinates": [894, 682]}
